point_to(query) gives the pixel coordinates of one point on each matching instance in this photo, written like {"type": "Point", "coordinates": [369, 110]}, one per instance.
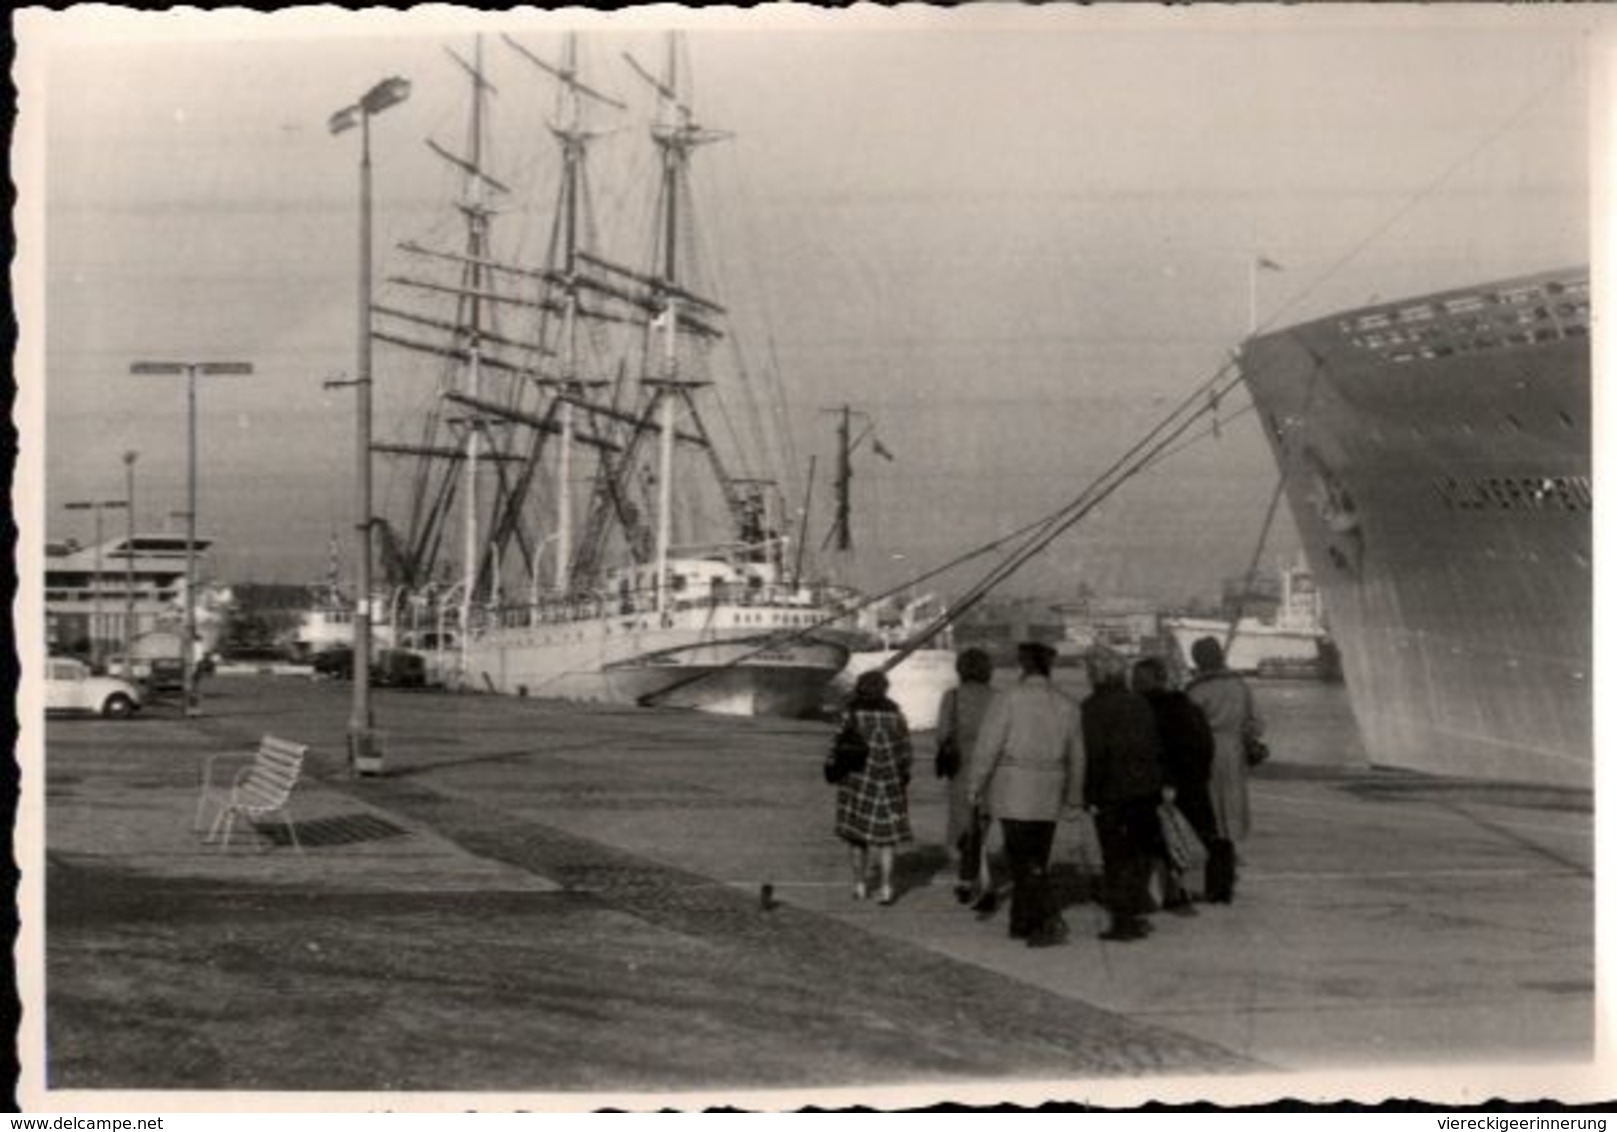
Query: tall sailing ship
{"type": "Point", "coordinates": [612, 546]}
{"type": "Point", "coordinates": [1436, 455]}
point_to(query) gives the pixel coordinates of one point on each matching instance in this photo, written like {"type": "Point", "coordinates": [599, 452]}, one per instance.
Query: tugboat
{"type": "Point", "coordinates": [1293, 643]}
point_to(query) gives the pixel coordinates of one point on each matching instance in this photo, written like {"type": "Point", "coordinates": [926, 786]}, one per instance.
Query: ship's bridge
{"type": "Point", "coordinates": [705, 581]}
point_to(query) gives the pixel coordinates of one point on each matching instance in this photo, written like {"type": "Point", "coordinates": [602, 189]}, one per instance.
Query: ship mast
{"type": "Point", "coordinates": [476, 251]}
{"type": "Point", "coordinates": [676, 135]}
{"type": "Point", "coordinates": [574, 140]}
{"type": "Point", "coordinates": [667, 134]}
{"type": "Point", "coordinates": [841, 534]}
{"type": "Point", "coordinates": [473, 346]}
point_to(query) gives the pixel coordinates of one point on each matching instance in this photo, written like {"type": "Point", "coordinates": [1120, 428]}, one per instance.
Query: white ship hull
{"type": "Point", "coordinates": [916, 684]}
{"type": "Point", "coordinates": [720, 660]}
{"type": "Point", "coordinates": [1254, 645]}
{"type": "Point", "coordinates": [1437, 460]}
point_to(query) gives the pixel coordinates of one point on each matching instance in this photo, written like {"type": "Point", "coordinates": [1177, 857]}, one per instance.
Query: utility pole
{"type": "Point", "coordinates": [190, 370]}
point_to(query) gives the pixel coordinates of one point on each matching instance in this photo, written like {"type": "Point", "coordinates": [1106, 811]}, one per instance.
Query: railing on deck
{"type": "Point", "coordinates": [819, 600]}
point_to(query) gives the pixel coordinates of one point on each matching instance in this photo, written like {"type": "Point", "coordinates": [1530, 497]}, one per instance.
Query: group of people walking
{"type": "Point", "coordinates": [1029, 756]}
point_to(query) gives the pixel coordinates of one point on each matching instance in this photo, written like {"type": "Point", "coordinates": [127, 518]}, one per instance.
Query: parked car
{"type": "Point", "coordinates": [399, 668]}
{"type": "Point", "coordinates": [159, 675]}
{"type": "Point", "coordinates": [390, 668]}
{"type": "Point", "coordinates": [70, 687]}
{"type": "Point", "coordinates": [335, 663]}
{"type": "Point", "coordinates": [254, 654]}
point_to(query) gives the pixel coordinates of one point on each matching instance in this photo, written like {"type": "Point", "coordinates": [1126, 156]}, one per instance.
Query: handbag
{"type": "Point", "coordinates": [848, 755]}
{"type": "Point", "coordinates": [1253, 748]}
{"type": "Point", "coordinates": [1180, 843]}
{"type": "Point", "coordinates": [946, 763]}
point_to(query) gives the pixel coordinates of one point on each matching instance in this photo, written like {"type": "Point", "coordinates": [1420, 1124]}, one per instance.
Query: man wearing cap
{"type": "Point", "coordinates": [1028, 762]}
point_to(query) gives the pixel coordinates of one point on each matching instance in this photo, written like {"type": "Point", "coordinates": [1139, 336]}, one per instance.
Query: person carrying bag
{"type": "Point", "coordinates": [960, 716]}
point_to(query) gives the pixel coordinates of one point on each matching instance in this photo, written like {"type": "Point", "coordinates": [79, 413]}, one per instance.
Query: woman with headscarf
{"type": "Point", "coordinates": [960, 718]}
{"type": "Point", "coordinates": [873, 804]}
{"type": "Point", "coordinates": [1226, 701]}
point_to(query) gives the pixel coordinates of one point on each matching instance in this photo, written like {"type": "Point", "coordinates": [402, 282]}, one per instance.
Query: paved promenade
{"type": "Point", "coordinates": [561, 900]}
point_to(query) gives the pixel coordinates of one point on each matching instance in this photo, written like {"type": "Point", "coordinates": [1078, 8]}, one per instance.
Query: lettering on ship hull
{"type": "Point", "coordinates": [1516, 493]}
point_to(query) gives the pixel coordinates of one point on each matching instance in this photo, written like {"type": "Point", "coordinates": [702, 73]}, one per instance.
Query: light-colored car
{"type": "Point", "coordinates": [69, 687]}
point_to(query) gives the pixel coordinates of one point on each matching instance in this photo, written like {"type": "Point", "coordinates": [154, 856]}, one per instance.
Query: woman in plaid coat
{"type": "Point", "coordinates": [873, 808]}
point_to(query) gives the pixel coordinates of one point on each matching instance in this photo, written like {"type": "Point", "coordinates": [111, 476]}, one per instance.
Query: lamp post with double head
{"type": "Point", "coordinates": [97, 506]}
{"type": "Point", "coordinates": [363, 755]}
{"type": "Point", "coordinates": [191, 370]}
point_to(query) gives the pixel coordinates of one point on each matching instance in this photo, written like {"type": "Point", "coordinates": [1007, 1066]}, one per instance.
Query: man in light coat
{"type": "Point", "coordinates": [1028, 763]}
{"type": "Point", "coordinates": [1226, 701]}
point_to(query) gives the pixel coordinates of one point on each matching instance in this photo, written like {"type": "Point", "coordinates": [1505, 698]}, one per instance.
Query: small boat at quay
{"type": "Point", "coordinates": [1293, 642]}
{"type": "Point", "coordinates": [917, 678]}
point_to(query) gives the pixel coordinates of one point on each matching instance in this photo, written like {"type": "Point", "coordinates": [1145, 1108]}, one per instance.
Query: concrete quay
{"type": "Point", "coordinates": [549, 905]}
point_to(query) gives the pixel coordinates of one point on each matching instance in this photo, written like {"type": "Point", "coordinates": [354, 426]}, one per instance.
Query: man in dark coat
{"type": "Point", "coordinates": [1187, 760]}
{"type": "Point", "coordinates": [1122, 785]}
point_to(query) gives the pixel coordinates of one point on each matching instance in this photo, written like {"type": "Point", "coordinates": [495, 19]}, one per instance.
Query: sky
{"type": "Point", "coordinates": [1015, 238]}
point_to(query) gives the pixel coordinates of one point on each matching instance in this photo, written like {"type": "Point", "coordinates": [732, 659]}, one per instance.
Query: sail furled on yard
{"type": "Point", "coordinates": [537, 461]}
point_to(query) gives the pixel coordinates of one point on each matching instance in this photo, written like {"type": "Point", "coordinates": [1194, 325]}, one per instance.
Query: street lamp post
{"type": "Point", "coordinates": [362, 752]}
{"type": "Point", "coordinates": [190, 370]}
{"type": "Point", "coordinates": [97, 506]}
{"type": "Point", "coordinates": [129, 563]}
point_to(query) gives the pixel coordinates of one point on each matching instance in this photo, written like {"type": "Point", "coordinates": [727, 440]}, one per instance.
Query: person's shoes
{"type": "Point", "coordinates": [885, 896]}
{"type": "Point", "coordinates": [1180, 905]}
{"type": "Point", "coordinates": [986, 902]}
{"type": "Point", "coordinates": [1126, 931]}
{"type": "Point", "coordinates": [962, 893]}
{"type": "Point", "coordinates": [1050, 935]}
{"type": "Point", "coordinates": [859, 891]}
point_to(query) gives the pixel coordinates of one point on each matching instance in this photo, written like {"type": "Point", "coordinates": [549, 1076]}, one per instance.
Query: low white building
{"type": "Point", "coordinates": [97, 598]}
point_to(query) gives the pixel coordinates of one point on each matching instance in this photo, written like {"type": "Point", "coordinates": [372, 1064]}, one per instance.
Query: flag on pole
{"type": "Point", "coordinates": [1267, 264]}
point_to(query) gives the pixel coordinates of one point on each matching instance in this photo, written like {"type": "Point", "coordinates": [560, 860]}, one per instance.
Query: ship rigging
{"type": "Point", "coordinates": [665, 544]}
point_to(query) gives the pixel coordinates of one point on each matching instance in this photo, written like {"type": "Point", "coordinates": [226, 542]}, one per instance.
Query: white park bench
{"type": "Point", "coordinates": [260, 790]}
